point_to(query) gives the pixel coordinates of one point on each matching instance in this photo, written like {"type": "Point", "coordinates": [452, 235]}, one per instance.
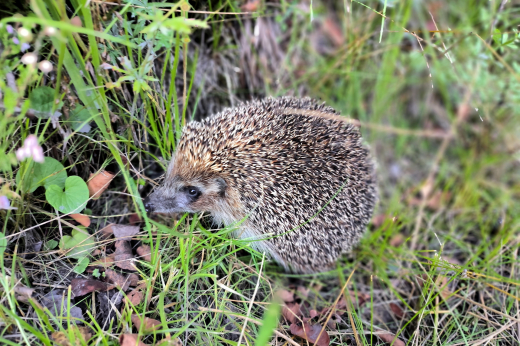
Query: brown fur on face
{"type": "Point", "coordinates": [215, 195]}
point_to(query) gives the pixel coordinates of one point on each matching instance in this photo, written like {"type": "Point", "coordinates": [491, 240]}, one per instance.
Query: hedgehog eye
{"type": "Point", "coordinates": [193, 191]}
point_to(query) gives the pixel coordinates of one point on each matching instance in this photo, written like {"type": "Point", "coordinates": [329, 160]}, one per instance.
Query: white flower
{"type": "Point", "coordinates": [24, 32]}
{"type": "Point", "coordinates": [30, 148]}
{"type": "Point", "coordinates": [49, 31]}
{"type": "Point", "coordinates": [29, 59]}
{"type": "Point", "coordinates": [45, 66]}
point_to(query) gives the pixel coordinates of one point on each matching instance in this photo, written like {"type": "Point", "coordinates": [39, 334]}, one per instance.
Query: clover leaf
{"type": "Point", "coordinates": [50, 172]}
{"type": "Point", "coordinates": [80, 244]}
{"type": "Point", "coordinates": [73, 199]}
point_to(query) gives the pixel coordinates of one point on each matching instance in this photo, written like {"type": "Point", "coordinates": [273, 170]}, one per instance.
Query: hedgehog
{"type": "Point", "coordinates": [290, 174]}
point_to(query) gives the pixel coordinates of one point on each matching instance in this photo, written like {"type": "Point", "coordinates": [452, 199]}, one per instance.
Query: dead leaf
{"type": "Point", "coordinates": [391, 339]}
{"type": "Point", "coordinates": [130, 340]}
{"type": "Point", "coordinates": [124, 231]}
{"type": "Point", "coordinates": [250, 6]}
{"type": "Point", "coordinates": [98, 182]}
{"type": "Point", "coordinates": [438, 199]}
{"type": "Point", "coordinates": [104, 262]}
{"type": "Point", "coordinates": [150, 324]}
{"type": "Point", "coordinates": [396, 309]}
{"type": "Point", "coordinates": [62, 338]}
{"type": "Point", "coordinates": [80, 287]}
{"type": "Point", "coordinates": [57, 303]}
{"type": "Point", "coordinates": [133, 279]}
{"type": "Point", "coordinates": [123, 256]}
{"type": "Point", "coordinates": [378, 220]}
{"type": "Point", "coordinates": [145, 252]}
{"type": "Point", "coordinates": [76, 21]}
{"type": "Point", "coordinates": [107, 231]}
{"type": "Point", "coordinates": [134, 219]}
{"type": "Point", "coordinates": [82, 219]}
{"type": "Point", "coordinates": [285, 295]}
{"type": "Point", "coordinates": [359, 297]}
{"type": "Point", "coordinates": [311, 333]}
{"type": "Point", "coordinates": [120, 280]}
{"type": "Point", "coordinates": [303, 292]}
{"type": "Point", "coordinates": [442, 284]}
{"type": "Point", "coordinates": [136, 296]}
{"type": "Point", "coordinates": [23, 293]}
{"type": "Point", "coordinates": [291, 311]}
{"type": "Point", "coordinates": [396, 240]}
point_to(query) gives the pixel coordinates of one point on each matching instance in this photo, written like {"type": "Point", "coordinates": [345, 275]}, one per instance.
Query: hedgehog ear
{"type": "Point", "coordinates": [221, 186]}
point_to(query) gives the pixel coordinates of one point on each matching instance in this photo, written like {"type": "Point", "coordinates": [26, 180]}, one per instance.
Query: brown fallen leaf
{"type": "Point", "coordinates": [434, 199]}
{"type": "Point", "coordinates": [80, 287]}
{"type": "Point", "coordinates": [303, 292]}
{"type": "Point", "coordinates": [390, 339]}
{"type": "Point", "coordinates": [133, 279]}
{"type": "Point", "coordinates": [150, 324]}
{"type": "Point", "coordinates": [107, 231]}
{"type": "Point", "coordinates": [123, 256]}
{"type": "Point", "coordinates": [134, 219]}
{"type": "Point", "coordinates": [396, 309]}
{"type": "Point", "coordinates": [285, 295]}
{"type": "Point", "coordinates": [442, 284]}
{"type": "Point", "coordinates": [359, 297]}
{"type": "Point", "coordinates": [120, 280]}
{"type": "Point", "coordinates": [291, 311]}
{"type": "Point", "coordinates": [136, 296]}
{"type": "Point", "coordinates": [145, 252]}
{"type": "Point", "coordinates": [104, 262]}
{"type": "Point", "coordinates": [396, 240]}
{"type": "Point", "coordinates": [82, 219]}
{"type": "Point", "coordinates": [124, 231]}
{"type": "Point", "coordinates": [130, 340]}
{"type": "Point", "coordinates": [98, 182]}
{"type": "Point", "coordinates": [23, 293]}
{"type": "Point", "coordinates": [310, 333]}
{"type": "Point", "coordinates": [62, 338]}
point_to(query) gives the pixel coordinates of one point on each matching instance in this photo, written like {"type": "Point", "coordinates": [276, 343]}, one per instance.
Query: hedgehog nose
{"type": "Point", "coordinates": [148, 206]}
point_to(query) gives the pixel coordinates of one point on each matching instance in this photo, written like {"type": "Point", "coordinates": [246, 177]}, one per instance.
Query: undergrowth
{"type": "Point", "coordinates": [92, 87]}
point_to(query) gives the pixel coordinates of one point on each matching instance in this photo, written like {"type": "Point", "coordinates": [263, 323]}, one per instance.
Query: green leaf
{"type": "Point", "coordinates": [96, 273]}
{"type": "Point", "coordinates": [73, 199]}
{"type": "Point", "coordinates": [82, 265]}
{"type": "Point", "coordinates": [42, 100]}
{"type": "Point", "coordinates": [51, 244]}
{"type": "Point", "coordinates": [80, 244]}
{"type": "Point", "coordinates": [77, 117]}
{"type": "Point", "coordinates": [50, 172]}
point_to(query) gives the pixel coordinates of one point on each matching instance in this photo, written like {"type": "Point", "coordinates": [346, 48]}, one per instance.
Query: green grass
{"type": "Point", "coordinates": [201, 284]}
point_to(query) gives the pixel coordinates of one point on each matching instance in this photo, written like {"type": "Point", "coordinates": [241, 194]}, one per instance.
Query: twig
{"type": "Point", "coordinates": [492, 335]}
{"type": "Point", "coordinates": [252, 300]}
{"type": "Point", "coordinates": [440, 154]}
{"type": "Point", "coordinates": [334, 306]}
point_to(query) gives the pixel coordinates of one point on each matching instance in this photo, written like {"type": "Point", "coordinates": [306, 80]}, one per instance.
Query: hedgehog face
{"type": "Point", "coordinates": [193, 195]}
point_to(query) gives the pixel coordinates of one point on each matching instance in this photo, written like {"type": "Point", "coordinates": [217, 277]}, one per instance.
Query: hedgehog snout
{"type": "Point", "coordinates": [148, 205]}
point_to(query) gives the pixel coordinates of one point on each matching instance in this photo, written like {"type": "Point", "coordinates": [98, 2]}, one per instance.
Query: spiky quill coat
{"type": "Point", "coordinates": [295, 170]}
